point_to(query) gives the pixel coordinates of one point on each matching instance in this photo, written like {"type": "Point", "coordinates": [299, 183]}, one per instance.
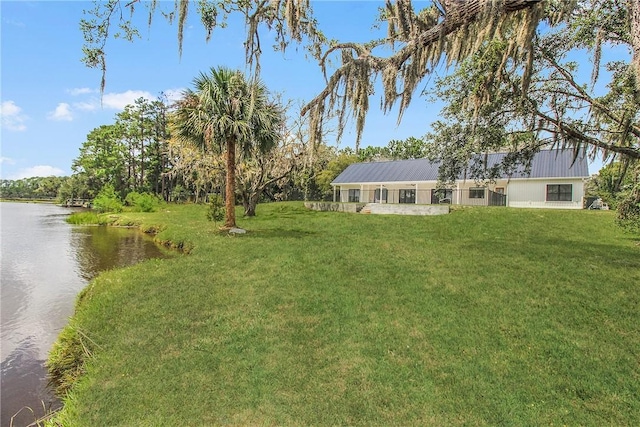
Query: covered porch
{"type": "Point", "coordinates": [468, 194]}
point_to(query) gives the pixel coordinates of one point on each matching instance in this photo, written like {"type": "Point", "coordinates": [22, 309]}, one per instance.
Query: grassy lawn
{"type": "Point", "coordinates": [486, 316]}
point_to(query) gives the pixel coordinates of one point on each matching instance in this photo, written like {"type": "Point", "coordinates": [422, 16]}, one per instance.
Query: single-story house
{"type": "Point", "coordinates": [554, 181]}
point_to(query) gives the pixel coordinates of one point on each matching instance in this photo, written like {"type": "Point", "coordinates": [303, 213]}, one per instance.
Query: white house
{"type": "Point", "coordinates": [555, 181]}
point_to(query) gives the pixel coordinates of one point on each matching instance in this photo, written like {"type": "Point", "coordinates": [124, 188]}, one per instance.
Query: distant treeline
{"type": "Point", "coordinates": [32, 188]}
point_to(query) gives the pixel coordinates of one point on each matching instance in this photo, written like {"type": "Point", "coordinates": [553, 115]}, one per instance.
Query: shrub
{"type": "Point", "coordinates": [629, 211]}
{"type": "Point", "coordinates": [142, 202]}
{"type": "Point", "coordinates": [179, 194]}
{"type": "Point", "coordinates": [216, 209]}
{"type": "Point", "coordinates": [107, 200]}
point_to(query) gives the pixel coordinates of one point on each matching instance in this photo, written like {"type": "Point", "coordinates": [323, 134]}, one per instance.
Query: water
{"type": "Point", "coordinates": [45, 262]}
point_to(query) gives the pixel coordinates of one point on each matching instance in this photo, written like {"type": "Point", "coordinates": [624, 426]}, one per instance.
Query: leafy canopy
{"type": "Point", "coordinates": [486, 112]}
{"type": "Point", "coordinates": [224, 112]}
{"type": "Point", "coordinates": [417, 41]}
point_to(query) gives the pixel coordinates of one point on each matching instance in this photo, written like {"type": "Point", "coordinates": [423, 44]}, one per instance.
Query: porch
{"type": "Point", "coordinates": [412, 194]}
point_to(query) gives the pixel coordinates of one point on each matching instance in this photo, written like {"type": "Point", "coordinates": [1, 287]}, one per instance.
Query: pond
{"type": "Point", "coordinates": [45, 262]}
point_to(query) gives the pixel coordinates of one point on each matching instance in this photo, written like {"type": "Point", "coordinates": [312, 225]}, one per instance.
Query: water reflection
{"type": "Point", "coordinates": [44, 264]}
{"type": "Point", "coordinates": [102, 248]}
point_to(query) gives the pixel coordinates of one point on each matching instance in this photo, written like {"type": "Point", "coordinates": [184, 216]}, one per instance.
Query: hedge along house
{"type": "Point", "coordinates": [554, 181]}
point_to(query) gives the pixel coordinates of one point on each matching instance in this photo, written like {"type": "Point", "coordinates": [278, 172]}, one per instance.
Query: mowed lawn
{"type": "Point", "coordinates": [485, 316]}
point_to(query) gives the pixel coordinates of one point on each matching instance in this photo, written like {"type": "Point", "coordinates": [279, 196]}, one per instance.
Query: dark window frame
{"type": "Point", "coordinates": [354, 195]}
{"type": "Point", "coordinates": [407, 196]}
{"type": "Point", "coordinates": [477, 192]}
{"type": "Point", "coordinates": [559, 193]}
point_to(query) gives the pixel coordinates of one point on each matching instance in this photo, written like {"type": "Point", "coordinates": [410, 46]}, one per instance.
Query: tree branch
{"type": "Point", "coordinates": [410, 63]}
{"type": "Point", "coordinates": [573, 133]}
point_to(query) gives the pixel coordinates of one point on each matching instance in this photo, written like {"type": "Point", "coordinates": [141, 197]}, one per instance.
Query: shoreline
{"type": "Point", "coordinates": [367, 307]}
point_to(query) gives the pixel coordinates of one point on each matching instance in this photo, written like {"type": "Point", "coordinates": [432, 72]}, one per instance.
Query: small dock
{"type": "Point", "coordinates": [77, 203]}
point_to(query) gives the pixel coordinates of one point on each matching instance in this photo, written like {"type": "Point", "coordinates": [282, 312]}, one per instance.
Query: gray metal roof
{"type": "Point", "coordinates": [545, 164]}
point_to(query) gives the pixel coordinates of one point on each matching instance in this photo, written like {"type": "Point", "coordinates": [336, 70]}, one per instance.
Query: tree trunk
{"type": "Point", "coordinates": [245, 202]}
{"type": "Point", "coordinates": [251, 203]}
{"type": "Point", "coordinates": [230, 199]}
{"type": "Point", "coordinates": [634, 13]}
{"type": "Point", "coordinates": [141, 151]}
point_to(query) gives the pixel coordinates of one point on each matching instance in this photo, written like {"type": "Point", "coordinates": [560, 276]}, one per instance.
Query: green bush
{"type": "Point", "coordinates": [142, 202]}
{"type": "Point", "coordinates": [629, 211]}
{"type": "Point", "coordinates": [107, 200]}
{"type": "Point", "coordinates": [216, 209]}
{"type": "Point", "coordinates": [179, 194]}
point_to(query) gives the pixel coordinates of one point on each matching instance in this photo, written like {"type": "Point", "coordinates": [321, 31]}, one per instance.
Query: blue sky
{"type": "Point", "coordinates": [51, 101]}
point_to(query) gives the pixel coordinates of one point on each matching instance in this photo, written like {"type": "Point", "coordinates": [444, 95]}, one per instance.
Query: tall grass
{"type": "Point", "coordinates": [481, 317]}
{"type": "Point", "coordinates": [86, 218]}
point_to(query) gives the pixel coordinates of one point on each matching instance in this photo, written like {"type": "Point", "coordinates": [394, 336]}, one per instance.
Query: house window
{"type": "Point", "coordinates": [476, 193]}
{"type": "Point", "coordinates": [407, 196]}
{"type": "Point", "coordinates": [559, 192]}
{"type": "Point", "coordinates": [354, 195]}
{"type": "Point", "coordinates": [443, 195]}
{"type": "Point", "coordinates": [376, 196]}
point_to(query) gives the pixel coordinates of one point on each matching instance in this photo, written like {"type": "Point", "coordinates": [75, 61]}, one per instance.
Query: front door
{"type": "Point", "coordinates": [376, 196]}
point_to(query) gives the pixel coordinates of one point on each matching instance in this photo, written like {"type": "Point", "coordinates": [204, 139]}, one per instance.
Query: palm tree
{"type": "Point", "coordinates": [223, 112]}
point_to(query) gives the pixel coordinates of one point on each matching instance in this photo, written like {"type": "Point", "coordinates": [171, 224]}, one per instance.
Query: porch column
{"type": "Point", "coordinates": [458, 195]}
{"type": "Point", "coordinates": [380, 198]}
{"type": "Point", "coordinates": [416, 199]}
{"type": "Point", "coordinates": [334, 193]}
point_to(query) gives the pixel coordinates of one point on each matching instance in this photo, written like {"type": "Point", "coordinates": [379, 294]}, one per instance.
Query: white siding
{"type": "Point", "coordinates": [533, 193]}
{"type": "Point", "coordinates": [525, 193]}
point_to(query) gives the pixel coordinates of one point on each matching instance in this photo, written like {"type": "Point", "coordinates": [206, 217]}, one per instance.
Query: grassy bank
{"type": "Point", "coordinates": [481, 317]}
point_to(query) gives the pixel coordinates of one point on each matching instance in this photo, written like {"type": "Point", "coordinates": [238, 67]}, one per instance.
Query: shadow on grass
{"type": "Point", "coordinates": [633, 238]}
{"type": "Point", "coordinates": [279, 233]}
{"type": "Point", "coordinates": [542, 247]}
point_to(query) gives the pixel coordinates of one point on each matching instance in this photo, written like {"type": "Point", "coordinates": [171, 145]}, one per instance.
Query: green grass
{"type": "Point", "coordinates": [481, 317]}
{"type": "Point", "coordinates": [86, 218]}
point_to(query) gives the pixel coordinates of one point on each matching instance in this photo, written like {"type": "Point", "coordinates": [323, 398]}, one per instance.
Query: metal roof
{"type": "Point", "coordinates": [545, 164]}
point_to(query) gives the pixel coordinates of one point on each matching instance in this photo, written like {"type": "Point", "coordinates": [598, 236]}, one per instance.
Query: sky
{"type": "Point", "coordinates": [51, 100]}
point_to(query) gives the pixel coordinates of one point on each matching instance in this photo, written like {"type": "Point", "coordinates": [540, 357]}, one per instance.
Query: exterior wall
{"type": "Point", "coordinates": [334, 207]}
{"type": "Point", "coordinates": [423, 191]}
{"type": "Point", "coordinates": [407, 209]}
{"type": "Point", "coordinates": [463, 196]}
{"type": "Point", "coordinates": [529, 193]}
{"type": "Point", "coordinates": [378, 208]}
{"type": "Point", "coordinates": [367, 192]}
{"type": "Point", "coordinates": [533, 193]}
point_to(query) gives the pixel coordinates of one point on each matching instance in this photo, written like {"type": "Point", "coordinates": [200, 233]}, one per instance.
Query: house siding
{"type": "Point", "coordinates": [532, 194]}
{"type": "Point", "coordinates": [521, 188]}
{"type": "Point", "coordinates": [521, 193]}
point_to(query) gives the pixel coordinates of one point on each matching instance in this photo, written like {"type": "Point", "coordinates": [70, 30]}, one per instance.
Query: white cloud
{"type": "Point", "coordinates": [12, 117]}
{"type": "Point", "coordinates": [118, 101]}
{"type": "Point", "coordinates": [173, 95]}
{"type": "Point", "coordinates": [40, 170]}
{"type": "Point", "coordinates": [81, 91]}
{"type": "Point", "coordinates": [87, 106]}
{"type": "Point", "coordinates": [61, 113]}
{"type": "Point", "coordinates": [114, 101]}
{"type": "Point", "coordinates": [7, 160]}
{"type": "Point", "coordinates": [15, 23]}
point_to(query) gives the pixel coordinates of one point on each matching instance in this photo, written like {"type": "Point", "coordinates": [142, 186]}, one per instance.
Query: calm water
{"type": "Point", "coordinates": [45, 262]}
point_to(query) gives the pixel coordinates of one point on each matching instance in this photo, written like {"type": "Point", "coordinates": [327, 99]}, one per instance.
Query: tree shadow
{"type": "Point", "coordinates": [270, 233]}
